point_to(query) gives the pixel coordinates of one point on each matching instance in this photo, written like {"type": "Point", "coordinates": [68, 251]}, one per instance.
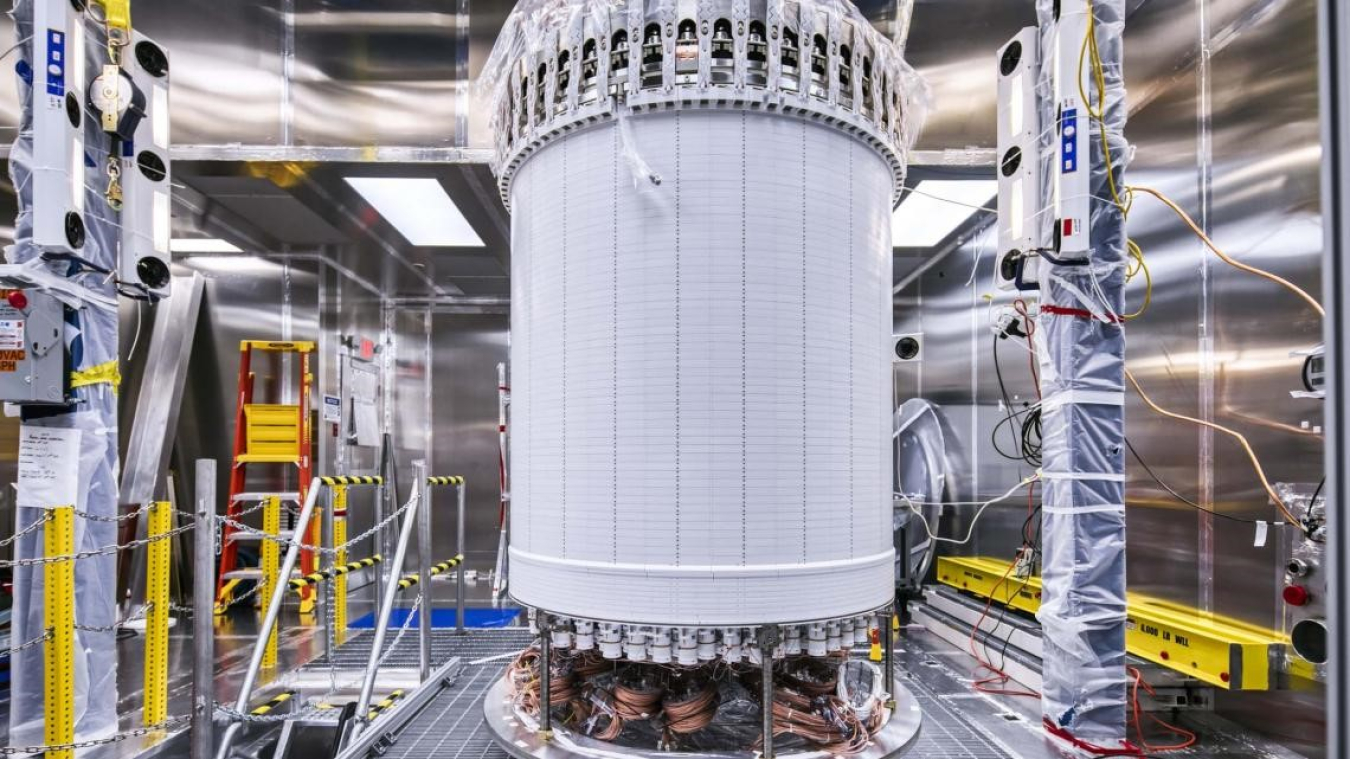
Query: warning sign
{"type": "Point", "coordinates": [9, 360]}
{"type": "Point", "coordinates": [11, 334]}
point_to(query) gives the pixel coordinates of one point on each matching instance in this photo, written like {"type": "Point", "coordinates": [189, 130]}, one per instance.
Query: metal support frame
{"type": "Point", "coordinates": [382, 619]}
{"type": "Point", "coordinates": [203, 597]}
{"type": "Point", "coordinates": [156, 671]}
{"type": "Point", "coordinates": [768, 641]}
{"type": "Point", "coordinates": [459, 551]}
{"type": "Point", "coordinates": [270, 619]}
{"type": "Point", "coordinates": [59, 695]}
{"type": "Point", "coordinates": [1334, 81]}
{"type": "Point", "coordinates": [545, 677]}
{"type": "Point", "coordinates": [423, 569]}
{"type": "Point", "coordinates": [888, 654]}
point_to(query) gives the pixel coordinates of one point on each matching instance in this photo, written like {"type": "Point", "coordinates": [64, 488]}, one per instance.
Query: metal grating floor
{"type": "Point", "coordinates": [445, 644]}
{"type": "Point", "coordinates": [451, 725]}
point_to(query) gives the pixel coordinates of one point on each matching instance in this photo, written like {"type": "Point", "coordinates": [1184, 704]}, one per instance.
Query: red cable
{"type": "Point", "coordinates": [1189, 737]}
{"type": "Point", "coordinates": [1000, 677]}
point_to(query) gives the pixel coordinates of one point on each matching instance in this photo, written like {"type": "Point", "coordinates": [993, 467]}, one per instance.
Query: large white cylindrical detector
{"type": "Point", "coordinates": [700, 312]}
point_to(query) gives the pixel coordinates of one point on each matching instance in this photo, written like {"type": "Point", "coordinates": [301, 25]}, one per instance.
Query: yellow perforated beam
{"type": "Point", "coordinates": [159, 523]}
{"type": "Point", "coordinates": [59, 678]}
{"type": "Point", "coordinates": [1221, 651]}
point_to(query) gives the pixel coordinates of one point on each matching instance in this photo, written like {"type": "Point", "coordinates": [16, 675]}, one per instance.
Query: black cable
{"type": "Point", "coordinates": [1312, 501]}
{"type": "Point", "coordinates": [1023, 434]}
{"type": "Point", "coordinates": [1179, 496]}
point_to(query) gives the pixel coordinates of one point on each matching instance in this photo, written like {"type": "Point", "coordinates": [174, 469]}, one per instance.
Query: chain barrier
{"type": "Point", "coordinates": [140, 614]}
{"type": "Point", "coordinates": [115, 519]}
{"type": "Point", "coordinates": [324, 551]}
{"type": "Point", "coordinates": [46, 517]}
{"type": "Point", "coordinates": [45, 636]}
{"type": "Point", "coordinates": [139, 732]}
{"type": "Point", "coordinates": [104, 551]}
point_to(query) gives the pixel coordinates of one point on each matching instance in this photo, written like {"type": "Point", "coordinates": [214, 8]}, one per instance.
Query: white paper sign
{"type": "Point", "coordinates": [332, 408]}
{"type": "Point", "coordinates": [49, 466]}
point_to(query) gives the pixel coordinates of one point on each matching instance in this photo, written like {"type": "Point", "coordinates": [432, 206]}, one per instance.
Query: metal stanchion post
{"type": "Point", "coordinates": [156, 672]}
{"type": "Point", "coordinates": [768, 641]}
{"type": "Point", "coordinates": [545, 678]}
{"type": "Point", "coordinates": [459, 550]}
{"type": "Point", "coordinates": [203, 597]}
{"type": "Point", "coordinates": [325, 593]}
{"type": "Point", "coordinates": [59, 696]}
{"type": "Point", "coordinates": [888, 656]}
{"type": "Point", "coordinates": [423, 570]}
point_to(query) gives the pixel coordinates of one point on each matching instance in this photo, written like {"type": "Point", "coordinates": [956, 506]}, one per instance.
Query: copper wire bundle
{"type": "Point", "coordinates": [692, 712]}
{"type": "Point", "coordinates": [637, 701]}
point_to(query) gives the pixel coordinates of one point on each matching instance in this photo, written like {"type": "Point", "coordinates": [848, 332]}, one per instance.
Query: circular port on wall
{"type": "Point", "coordinates": [1309, 640]}
{"type": "Point", "coordinates": [906, 348]}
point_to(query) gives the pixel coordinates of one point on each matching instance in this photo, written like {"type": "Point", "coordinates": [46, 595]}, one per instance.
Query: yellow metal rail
{"type": "Point", "coordinates": [1223, 652]}
{"type": "Point", "coordinates": [314, 578]}
{"type": "Point", "coordinates": [59, 698]}
{"type": "Point", "coordinates": [340, 583]}
{"type": "Point", "coordinates": [269, 562]}
{"type": "Point", "coordinates": [159, 523]}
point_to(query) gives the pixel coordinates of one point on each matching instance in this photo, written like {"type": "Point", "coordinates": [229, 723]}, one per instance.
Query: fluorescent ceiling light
{"type": "Point", "coordinates": [419, 209]}
{"type": "Point", "coordinates": [201, 245]}
{"type": "Point", "coordinates": [936, 208]}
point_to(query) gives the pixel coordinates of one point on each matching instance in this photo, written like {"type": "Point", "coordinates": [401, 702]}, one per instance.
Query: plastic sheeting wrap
{"type": "Point", "coordinates": [1081, 347]}
{"type": "Point", "coordinates": [91, 339]}
{"type": "Point", "coordinates": [701, 318]}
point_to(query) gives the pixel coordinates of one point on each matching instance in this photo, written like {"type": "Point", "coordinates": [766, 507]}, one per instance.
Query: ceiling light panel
{"type": "Point", "coordinates": [936, 208]}
{"type": "Point", "coordinates": [419, 209]}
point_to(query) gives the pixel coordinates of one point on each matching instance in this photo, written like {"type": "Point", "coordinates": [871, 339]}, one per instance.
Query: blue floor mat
{"type": "Point", "coordinates": [446, 618]}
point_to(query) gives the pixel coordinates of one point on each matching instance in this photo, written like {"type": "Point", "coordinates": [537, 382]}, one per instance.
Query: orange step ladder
{"type": "Point", "coordinates": [271, 434]}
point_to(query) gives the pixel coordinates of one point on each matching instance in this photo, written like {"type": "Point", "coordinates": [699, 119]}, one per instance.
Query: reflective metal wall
{"type": "Point", "coordinates": [1224, 120]}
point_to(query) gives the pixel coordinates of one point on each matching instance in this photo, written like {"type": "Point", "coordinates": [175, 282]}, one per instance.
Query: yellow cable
{"type": "Point", "coordinates": [1281, 281]}
{"type": "Point", "coordinates": [1137, 254]}
{"type": "Point", "coordinates": [1242, 440]}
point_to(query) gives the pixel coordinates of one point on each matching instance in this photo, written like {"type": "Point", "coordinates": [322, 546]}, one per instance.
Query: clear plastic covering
{"type": "Point", "coordinates": [1081, 348]}
{"type": "Point", "coordinates": [91, 339]}
{"type": "Point", "coordinates": [558, 64]}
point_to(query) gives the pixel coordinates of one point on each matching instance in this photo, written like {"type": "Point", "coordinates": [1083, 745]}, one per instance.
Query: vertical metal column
{"type": "Point", "coordinates": [423, 570]}
{"type": "Point", "coordinates": [768, 641]}
{"type": "Point", "coordinates": [888, 655]}
{"type": "Point", "coordinates": [156, 671]}
{"type": "Point", "coordinates": [203, 598]}
{"type": "Point", "coordinates": [382, 619]}
{"type": "Point", "coordinates": [459, 551]}
{"type": "Point", "coordinates": [273, 610]}
{"type": "Point", "coordinates": [268, 561]}
{"type": "Point", "coordinates": [59, 695]}
{"type": "Point", "coordinates": [1334, 32]}
{"type": "Point", "coordinates": [325, 590]}
{"type": "Point", "coordinates": [545, 677]}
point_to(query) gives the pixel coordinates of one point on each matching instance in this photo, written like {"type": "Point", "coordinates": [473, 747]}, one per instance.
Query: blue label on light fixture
{"type": "Point", "coordinates": [1068, 141]}
{"type": "Point", "coordinates": [56, 62]}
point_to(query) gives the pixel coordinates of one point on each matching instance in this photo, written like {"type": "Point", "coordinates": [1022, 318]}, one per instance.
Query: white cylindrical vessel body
{"type": "Point", "coordinates": [701, 372]}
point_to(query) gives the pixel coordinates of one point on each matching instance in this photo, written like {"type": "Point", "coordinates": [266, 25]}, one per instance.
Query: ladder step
{"type": "Point", "coordinates": [292, 497]}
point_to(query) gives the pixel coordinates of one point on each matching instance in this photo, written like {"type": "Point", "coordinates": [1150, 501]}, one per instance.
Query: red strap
{"type": "Point", "coordinates": [1078, 312]}
{"type": "Point", "coordinates": [1126, 749]}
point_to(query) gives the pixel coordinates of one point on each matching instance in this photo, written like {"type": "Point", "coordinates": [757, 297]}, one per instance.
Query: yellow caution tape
{"type": "Point", "coordinates": [412, 579]}
{"type": "Point", "coordinates": [105, 373]}
{"type": "Point", "coordinates": [352, 480]}
{"type": "Point", "coordinates": [453, 480]}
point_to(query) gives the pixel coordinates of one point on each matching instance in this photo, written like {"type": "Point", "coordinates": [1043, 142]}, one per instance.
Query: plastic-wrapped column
{"type": "Point", "coordinates": [700, 407]}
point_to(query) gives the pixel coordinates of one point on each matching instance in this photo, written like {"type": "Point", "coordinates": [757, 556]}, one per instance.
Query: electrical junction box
{"type": "Point", "coordinates": [1073, 165]}
{"type": "Point", "coordinates": [32, 349]}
